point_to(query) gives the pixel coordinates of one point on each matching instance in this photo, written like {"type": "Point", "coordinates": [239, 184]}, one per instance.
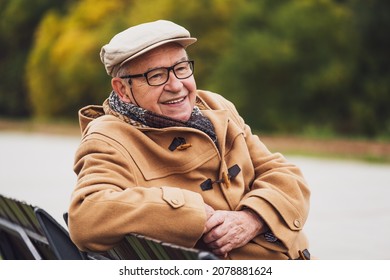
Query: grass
{"type": "Point", "coordinates": [59, 127]}
{"type": "Point", "coordinates": [374, 151]}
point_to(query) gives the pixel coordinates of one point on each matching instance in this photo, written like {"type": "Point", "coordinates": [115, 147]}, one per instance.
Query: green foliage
{"type": "Point", "coordinates": [371, 91]}
{"type": "Point", "coordinates": [288, 63]}
{"type": "Point", "coordinates": [294, 65]}
{"type": "Point", "coordinates": [18, 20]}
{"type": "Point", "coordinates": [69, 48]}
{"type": "Point", "coordinates": [209, 21]}
{"type": "Point", "coordinates": [297, 66]}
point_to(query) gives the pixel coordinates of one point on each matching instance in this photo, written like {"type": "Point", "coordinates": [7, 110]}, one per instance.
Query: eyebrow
{"type": "Point", "coordinates": [180, 60]}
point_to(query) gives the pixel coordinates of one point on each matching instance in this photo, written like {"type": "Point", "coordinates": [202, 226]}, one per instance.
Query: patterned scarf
{"type": "Point", "coordinates": [141, 117]}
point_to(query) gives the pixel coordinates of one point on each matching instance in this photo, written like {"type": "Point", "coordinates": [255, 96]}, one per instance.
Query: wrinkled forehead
{"type": "Point", "coordinates": [164, 55]}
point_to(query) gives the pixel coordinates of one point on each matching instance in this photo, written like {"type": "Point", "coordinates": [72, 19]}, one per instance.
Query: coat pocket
{"type": "Point", "coordinates": [173, 196]}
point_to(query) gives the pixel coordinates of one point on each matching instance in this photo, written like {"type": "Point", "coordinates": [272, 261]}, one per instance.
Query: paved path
{"type": "Point", "coordinates": [350, 206]}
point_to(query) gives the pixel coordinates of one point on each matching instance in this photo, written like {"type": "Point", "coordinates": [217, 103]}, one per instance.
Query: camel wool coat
{"type": "Point", "coordinates": [136, 179]}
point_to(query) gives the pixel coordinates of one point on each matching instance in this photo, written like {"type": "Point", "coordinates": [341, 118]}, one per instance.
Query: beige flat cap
{"type": "Point", "coordinates": [139, 39]}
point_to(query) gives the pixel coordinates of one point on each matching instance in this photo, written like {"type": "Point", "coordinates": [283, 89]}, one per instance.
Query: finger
{"type": "Point", "coordinates": [215, 234]}
{"type": "Point", "coordinates": [230, 240]}
{"type": "Point", "coordinates": [222, 251]}
{"type": "Point", "coordinates": [215, 220]}
{"type": "Point", "coordinates": [217, 237]}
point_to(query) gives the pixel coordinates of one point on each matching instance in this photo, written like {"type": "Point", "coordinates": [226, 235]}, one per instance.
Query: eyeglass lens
{"type": "Point", "coordinates": [182, 70]}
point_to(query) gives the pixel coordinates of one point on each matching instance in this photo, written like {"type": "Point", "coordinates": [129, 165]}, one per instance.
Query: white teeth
{"type": "Point", "coordinates": [175, 101]}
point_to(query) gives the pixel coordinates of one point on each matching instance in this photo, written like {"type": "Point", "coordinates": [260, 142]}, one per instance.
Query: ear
{"type": "Point", "coordinates": [121, 89]}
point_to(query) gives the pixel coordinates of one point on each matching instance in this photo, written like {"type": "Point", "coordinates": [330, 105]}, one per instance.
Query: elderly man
{"type": "Point", "coordinates": [166, 160]}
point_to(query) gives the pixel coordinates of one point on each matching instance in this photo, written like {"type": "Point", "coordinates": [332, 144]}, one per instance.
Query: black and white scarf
{"type": "Point", "coordinates": [151, 119]}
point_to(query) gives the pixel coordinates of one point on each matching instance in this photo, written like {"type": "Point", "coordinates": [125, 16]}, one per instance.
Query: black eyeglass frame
{"type": "Point", "coordinates": [169, 69]}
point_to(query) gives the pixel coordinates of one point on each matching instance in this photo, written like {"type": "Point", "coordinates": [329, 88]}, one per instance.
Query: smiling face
{"type": "Point", "coordinates": [174, 99]}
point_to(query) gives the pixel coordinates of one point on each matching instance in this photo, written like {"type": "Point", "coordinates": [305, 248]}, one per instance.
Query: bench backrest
{"type": "Point", "coordinates": [28, 232]}
{"type": "Point", "coordinates": [139, 247]}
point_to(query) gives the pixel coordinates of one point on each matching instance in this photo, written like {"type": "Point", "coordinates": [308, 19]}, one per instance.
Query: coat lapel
{"type": "Point", "coordinates": [219, 119]}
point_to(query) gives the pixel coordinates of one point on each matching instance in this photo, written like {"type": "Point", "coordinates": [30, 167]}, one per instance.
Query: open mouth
{"type": "Point", "coordinates": [175, 101]}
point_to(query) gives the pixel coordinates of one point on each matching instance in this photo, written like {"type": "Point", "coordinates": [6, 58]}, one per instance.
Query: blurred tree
{"type": "Point", "coordinates": [18, 20]}
{"type": "Point", "coordinates": [288, 64]}
{"type": "Point", "coordinates": [370, 98]}
{"type": "Point", "coordinates": [210, 22]}
{"type": "Point", "coordinates": [297, 65]}
{"type": "Point", "coordinates": [69, 47]}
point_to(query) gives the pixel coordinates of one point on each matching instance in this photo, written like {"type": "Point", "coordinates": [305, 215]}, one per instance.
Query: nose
{"type": "Point", "coordinates": [173, 84]}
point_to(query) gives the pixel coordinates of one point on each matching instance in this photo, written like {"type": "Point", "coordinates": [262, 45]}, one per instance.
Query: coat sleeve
{"type": "Point", "coordinates": [107, 203]}
{"type": "Point", "coordinates": [278, 193]}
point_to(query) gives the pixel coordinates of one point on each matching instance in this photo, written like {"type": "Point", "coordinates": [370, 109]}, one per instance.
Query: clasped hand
{"type": "Point", "coordinates": [227, 230]}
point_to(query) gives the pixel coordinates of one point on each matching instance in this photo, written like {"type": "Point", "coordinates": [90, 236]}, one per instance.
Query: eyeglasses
{"type": "Point", "coordinates": [159, 76]}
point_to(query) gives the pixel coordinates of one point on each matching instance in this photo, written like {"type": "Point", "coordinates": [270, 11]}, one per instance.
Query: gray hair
{"type": "Point", "coordinates": [123, 70]}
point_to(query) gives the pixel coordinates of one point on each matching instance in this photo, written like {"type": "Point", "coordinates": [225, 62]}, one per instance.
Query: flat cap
{"type": "Point", "coordinates": [139, 39]}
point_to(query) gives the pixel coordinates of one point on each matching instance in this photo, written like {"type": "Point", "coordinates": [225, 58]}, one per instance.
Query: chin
{"type": "Point", "coordinates": [182, 118]}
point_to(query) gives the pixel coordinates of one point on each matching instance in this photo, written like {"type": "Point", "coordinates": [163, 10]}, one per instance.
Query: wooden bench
{"type": "Point", "coordinates": [139, 247]}
{"type": "Point", "coordinates": [28, 232]}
